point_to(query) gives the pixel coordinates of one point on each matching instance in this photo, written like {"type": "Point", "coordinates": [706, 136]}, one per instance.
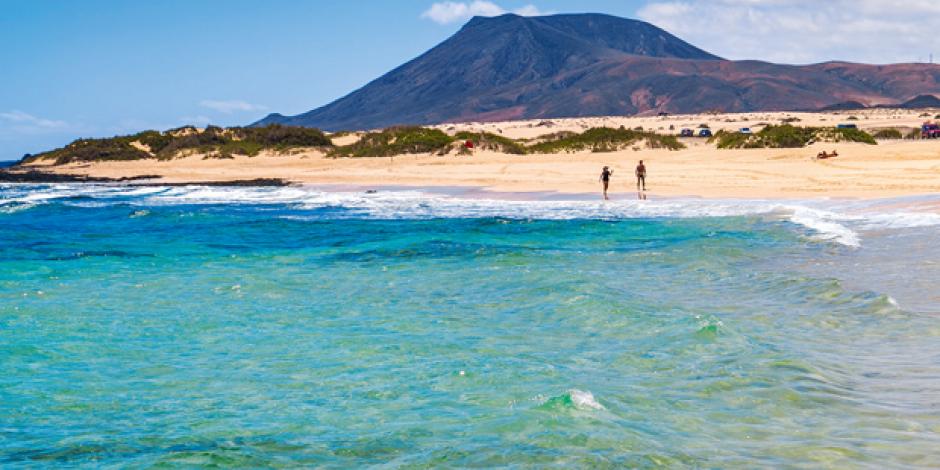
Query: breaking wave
{"type": "Point", "coordinates": [832, 221]}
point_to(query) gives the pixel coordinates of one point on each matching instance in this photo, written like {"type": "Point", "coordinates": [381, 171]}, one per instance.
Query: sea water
{"type": "Point", "coordinates": [285, 327]}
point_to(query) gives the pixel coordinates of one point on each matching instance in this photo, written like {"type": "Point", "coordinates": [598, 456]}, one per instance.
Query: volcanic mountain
{"type": "Point", "coordinates": [513, 67]}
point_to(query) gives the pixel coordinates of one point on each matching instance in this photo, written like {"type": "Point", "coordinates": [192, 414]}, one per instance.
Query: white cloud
{"type": "Point", "coordinates": [195, 120]}
{"type": "Point", "coordinates": [804, 31]}
{"type": "Point", "coordinates": [19, 122]}
{"type": "Point", "coordinates": [452, 12]}
{"type": "Point", "coordinates": [230, 106]}
{"type": "Point", "coordinates": [19, 118]}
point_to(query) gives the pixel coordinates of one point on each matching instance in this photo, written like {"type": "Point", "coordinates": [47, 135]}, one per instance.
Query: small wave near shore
{"type": "Point", "coordinates": [837, 221]}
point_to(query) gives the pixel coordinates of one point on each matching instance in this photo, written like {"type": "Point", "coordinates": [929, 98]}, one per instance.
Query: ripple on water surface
{"type": "Point", "coordinates": [284, 335]}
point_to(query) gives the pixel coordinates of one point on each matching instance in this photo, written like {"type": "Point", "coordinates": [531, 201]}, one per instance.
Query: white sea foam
{"type": "Point", "coordinates": [827, 221]}
{"type": "Point", "coordinates": [825, 225]}
{"type": "Point", "coordinates": [584, 400]}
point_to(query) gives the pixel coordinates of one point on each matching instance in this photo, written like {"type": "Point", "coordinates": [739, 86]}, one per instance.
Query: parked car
{"type": "Point", "coordinates": [705, 133]}
{"type": "Point", "coordinates": [930, 130]}
{"type": "Point", "coordinates": [847, 126]}
{"type": "Point", "coordinates": [686, 133]}
{"type": "Point", "coordinates": [745, 130]}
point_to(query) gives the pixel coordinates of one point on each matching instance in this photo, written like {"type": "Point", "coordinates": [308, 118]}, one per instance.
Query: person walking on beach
{"type": "Point", "coordinates": [606, 173]}
{"type": "Point", "coordinates": [641, 176]}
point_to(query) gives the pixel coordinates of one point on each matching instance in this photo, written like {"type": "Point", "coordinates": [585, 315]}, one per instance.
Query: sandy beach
{"type": "Point", "coordinates": [891, 168]}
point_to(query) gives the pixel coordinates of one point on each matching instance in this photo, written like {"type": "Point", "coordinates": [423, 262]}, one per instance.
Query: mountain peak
{"type": "Point", "coordinates": [514, 67]}
{"type": "Point", "coordinates": [596, 30]}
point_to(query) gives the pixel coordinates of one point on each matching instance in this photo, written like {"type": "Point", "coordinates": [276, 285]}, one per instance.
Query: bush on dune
{"type": "Point", "coordinates": [218, 142]}
{"type": "Point", "coordinates": [489, 141]}
{"type": "Point", "coordinates": [604, 139]}
{"type": "Point", "coordinates": [788, 136]}
{"type": "Point", "coordinates": [213, 141]}
{"type": "Point", "coordinates": [396, 141]}
{"type": "Point", "coordinates": [282, 137]}
{"type": "Point", "coordinates": [83, 150]}
{"type": "Point", "coordinates": [888, 134]}
{"type": "Point", "coordinates": [846, 135]}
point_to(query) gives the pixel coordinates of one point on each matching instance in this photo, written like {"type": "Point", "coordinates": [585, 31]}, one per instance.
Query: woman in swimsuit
{"type": "Point", "coordinates": [605, 178]}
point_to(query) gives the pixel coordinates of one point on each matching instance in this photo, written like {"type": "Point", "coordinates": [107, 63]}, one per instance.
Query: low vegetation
{"type": "Point", "coordinates": [86, 150]}
{"type": "Point", "coordinates": [213, 142]}
{"type": "Point", "coordinates": [418, 140]}
{"type": "Point", "coordinates": [828, 134]}
{"type": "Point", "coordinates": [489, 141]}
{"type": "Point", "coordinates": [396, 141]}
{"type": "Point", "coordinates": [885, 134]}
{"type": "Point", "coordinates": [788, 136]}
{"type": "Point", "coordinates": [218, 142]}
{"type": "Point", "coordinates": [604, 139]}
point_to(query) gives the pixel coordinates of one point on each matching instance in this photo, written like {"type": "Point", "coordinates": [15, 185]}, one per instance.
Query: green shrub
{"type": "Point", "coordinates": [489, 141]}
{"type": "Point", "coordinates": [788, 136]}
{"type": "Point", "coordinates": [396, 141]}
{"type": "Point", "coordinates": [603, 139]}
{"type": "Point", "coordinates": [888, 134]}
{"type": "Point", "coordinates": [282, 137]}
{"type": "Point", "coordinates": [846, 135]}
{"type": "Point", "coordinates": [729, 140]}
{"type": "Point", "coordinates": [154, 140]}
{"type": "Point", "coordinates": [212, 141]}
{"type": "Point", "coordinates": [83, 150]}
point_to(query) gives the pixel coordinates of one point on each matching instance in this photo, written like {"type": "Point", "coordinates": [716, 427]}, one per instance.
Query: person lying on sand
{"type": "Point", "coordinates": [823, 155]}
{"type": "Point", "coordinates": [606, 173]}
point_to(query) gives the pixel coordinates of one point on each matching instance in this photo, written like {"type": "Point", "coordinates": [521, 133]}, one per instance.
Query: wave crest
{"type": "Point", "coordinates": [829, 221]}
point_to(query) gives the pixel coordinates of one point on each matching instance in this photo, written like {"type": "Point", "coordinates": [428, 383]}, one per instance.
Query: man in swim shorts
{"type": "Point", "coordinates": [641, 176]}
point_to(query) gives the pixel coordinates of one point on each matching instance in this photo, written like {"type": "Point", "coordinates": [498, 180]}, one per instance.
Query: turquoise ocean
{"type": "Point", "coordinates": [302, 327]}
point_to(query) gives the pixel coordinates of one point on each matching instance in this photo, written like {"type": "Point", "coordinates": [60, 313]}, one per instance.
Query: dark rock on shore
{"type": "Point", "coordinates": [34, 176]}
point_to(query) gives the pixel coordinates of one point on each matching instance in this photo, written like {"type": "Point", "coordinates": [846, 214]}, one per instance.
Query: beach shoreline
{"type": "Point", "coordinates": [723, 174]}
{"type": "Point", "coordinates": [892, 168]}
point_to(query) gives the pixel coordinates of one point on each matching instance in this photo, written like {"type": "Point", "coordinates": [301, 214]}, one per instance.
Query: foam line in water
{"type": "Point", "coordinates": [837, 222]}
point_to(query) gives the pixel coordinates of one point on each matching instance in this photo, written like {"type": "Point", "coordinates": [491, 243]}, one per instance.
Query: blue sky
{"type": "Point", "coordinates": [98, 68]}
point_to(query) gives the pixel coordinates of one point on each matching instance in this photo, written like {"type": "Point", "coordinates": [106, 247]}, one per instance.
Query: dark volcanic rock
{"type": "Point", "coordinates": [35, 176]}
{"type": "Point", "coordinates": [846, 106]}
{"type": "Point", "coordinates": [512, 67]}
{"type": "Point", "coordinates": [921, 102]}
{"type": "Point", "coordinates": [15, 175]}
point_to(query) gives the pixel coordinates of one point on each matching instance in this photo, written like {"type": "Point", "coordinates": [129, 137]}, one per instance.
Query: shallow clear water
{"type": "Point", "coordinates": [289, 327]}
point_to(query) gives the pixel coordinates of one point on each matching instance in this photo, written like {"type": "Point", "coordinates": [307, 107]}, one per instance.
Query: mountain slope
{"type": "Point", "coordinates": [512, 67]}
